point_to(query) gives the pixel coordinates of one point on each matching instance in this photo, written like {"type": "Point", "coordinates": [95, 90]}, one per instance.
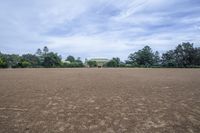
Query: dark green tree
{"type": "Point", "coordinates": [114, 62]}
{"type": "Point", "coordinates": [51, 60]}
{"type": "Point", "coordinates": [184, 54]}
{"type": "Point", "coordinates": [32, 59]}
{"type": "Point", "coordinates": [169, 59]}
{"type": "Point", "coordinates": [24, 64]}
{"type": "Point", "coordinates": [111, 63]}
{"type": "Point", "coordinates": [196, 61]}
{"type": "Point", "coordinates": [79, 62]}
{"type": "Point", "coordinates": [70, 58]}
{"type": "Point", "coordinates": [12, 60]}
{"type": "Point", "coordinates": [156, 59]}
{"type": "Point", "coordinates": [92, 63]}
{"type": "Point", "coordinates": [3, 63]}
{"type": "Point", "coordinates": [144, 57]}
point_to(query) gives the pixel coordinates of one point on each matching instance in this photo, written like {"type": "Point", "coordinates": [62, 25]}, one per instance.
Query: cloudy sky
{"type": "Point", "coordinates": [97, 28]}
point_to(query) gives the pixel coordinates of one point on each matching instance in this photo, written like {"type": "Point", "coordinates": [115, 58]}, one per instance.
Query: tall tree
{"type": "Point", "coordinates": [144, 57]}
{"type": "Point", "coordinates": [45, 50]}
{"type": "Point", "coordinates": [39, 52]}
{"type": "Point", "coordinates": [156, 59]}
{"type": "Point", "coordinates": [184, 54]}
{"type": "Point", "coordinates": [169, 59]}
{"type": "Point", "coordinates": [196, 60]}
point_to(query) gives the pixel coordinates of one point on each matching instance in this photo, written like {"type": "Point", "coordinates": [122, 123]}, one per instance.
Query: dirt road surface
{"type": "Point", "coordinates": [100, 100]}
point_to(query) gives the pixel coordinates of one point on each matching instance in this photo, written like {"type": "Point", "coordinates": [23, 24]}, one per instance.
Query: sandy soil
{"type": "Point", "coordinates": [100, 100]}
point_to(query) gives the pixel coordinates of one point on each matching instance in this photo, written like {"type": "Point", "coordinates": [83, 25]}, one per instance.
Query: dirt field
{"type": "Point", "coordinates": [100, 100]}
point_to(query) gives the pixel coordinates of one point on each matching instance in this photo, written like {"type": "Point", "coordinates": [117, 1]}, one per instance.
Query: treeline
{"type": "Point", "coordinates": [185, 55]}
{"type": "Point", "coordinates": [42, 58]}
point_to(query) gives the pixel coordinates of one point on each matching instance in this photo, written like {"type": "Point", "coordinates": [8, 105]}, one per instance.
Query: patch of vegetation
{"type": "Point", "coordinates": [185, 55]}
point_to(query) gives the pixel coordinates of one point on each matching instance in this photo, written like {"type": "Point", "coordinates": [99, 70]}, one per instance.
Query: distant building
{"type": "Point", "coordinates": [100, 61]}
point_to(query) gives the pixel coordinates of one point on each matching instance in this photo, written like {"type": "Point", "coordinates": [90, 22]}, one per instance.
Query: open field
{"type": "Point", "coordinates": [100, 100]}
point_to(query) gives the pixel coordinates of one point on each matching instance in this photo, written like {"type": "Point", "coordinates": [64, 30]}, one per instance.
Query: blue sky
{"type": "Point", "coordinates": [97, 28]}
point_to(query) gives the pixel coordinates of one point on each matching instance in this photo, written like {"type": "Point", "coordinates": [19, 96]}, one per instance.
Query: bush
{"type": "Point", "coordinates": [92, 63]}
{"type": "Point", "coordinates": [24, 64]}
{"type": "Point", "coordinates": [2, 63]}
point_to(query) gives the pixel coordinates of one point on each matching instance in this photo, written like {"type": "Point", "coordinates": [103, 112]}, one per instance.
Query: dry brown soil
{"type": "Point", "coordinates": [100, 100]}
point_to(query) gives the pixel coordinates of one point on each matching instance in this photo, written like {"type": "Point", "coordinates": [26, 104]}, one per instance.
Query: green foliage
{"type": "Point", "coordinates": [156, 59]}
{"type": "Point", "coordinates": [70, 59]}
{"type": "Point", "coordinates": [185, 55]}
{"type": "Point", "coordinates": [24, 64]}
{"type": "Point", "coordinates": [114, 62]}
{"type": "Point", "coordinates": [12, 60]}
{"type": "Point", "coordinates": [79, 62]}
{"type": "Point", "coordinates": [71, 65]}
{"type": "Point", "coordinates": [144, 57]}
{"type": "Point", "coordinates": [32, 59]}
{"type": "Point", "coordinates": [92, 63]}
{"type": "Point", "coordinates": [168, 59]}
{"type": "Point", "coordinates": [72, 62]}
{"type": "Point", "coordinates": [2, 63]}
{"type": "Point", "coordinates": [196, 60]}
{"type": "Point", "coordinates": [51, 60]}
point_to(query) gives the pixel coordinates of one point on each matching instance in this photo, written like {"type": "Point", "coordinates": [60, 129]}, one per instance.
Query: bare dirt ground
{"type": "Point", "coordinates": [100, 100]}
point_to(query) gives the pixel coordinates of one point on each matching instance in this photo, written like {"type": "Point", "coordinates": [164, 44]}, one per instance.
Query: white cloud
{"type": "Point", "coordinates": [97, 27]}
